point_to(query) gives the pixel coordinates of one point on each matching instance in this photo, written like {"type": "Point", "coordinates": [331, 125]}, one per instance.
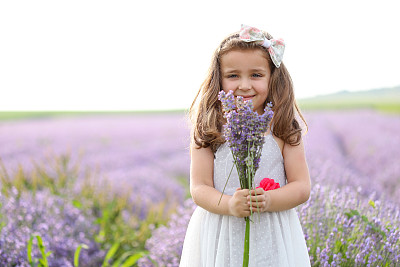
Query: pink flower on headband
{"type": "Point", "coordinates": [245, 35]}
{"type": "Point", "coordinates": [275, 47]}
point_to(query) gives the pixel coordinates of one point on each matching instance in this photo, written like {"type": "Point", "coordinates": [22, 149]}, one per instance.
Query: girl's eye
{"type": "Point", "coordinates": [257, 75]}
{"type": "Point", "coordinates": [232, 76]}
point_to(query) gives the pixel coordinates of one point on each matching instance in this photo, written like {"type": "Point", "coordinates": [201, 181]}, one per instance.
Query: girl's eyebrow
{"type": "Point", "coordinates": [229, 71]}
{"type": "Point", "coordinates": [258, 70]}
{"type": "Point", "coordinates": [252, 70]}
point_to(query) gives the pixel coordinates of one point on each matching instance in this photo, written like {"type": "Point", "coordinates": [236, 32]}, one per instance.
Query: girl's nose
{"type": "Point", "coordinates": [244, 84]}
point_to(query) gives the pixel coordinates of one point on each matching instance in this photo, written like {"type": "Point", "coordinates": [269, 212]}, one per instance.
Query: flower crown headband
{"type": "Point", "coordinates": [275, 47]}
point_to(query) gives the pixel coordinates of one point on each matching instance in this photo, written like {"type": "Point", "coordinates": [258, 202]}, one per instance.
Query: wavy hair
{"type": "Point", "coordinates": [206, 110]}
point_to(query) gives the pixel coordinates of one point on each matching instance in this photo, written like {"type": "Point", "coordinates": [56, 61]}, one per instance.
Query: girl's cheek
{"type": "Point", "coordinates": [225, 86]}
{"type": "Point", "coordinates": [229, 86]}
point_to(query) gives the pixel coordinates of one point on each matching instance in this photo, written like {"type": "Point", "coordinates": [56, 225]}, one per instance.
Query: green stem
{"type": "Point", "coordinates": [225, 184]}
{"type": "Point", "coordinates": [235, 161]}
{"type": "Point", "coordinates": [246, 243]}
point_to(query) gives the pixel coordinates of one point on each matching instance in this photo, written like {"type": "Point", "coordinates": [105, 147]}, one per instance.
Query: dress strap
{"type": "Point", "coordinates": [271, 128]}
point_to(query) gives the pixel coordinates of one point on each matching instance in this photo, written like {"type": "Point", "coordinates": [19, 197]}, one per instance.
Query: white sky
{"type": "Point", "coordinates": [141, 55]}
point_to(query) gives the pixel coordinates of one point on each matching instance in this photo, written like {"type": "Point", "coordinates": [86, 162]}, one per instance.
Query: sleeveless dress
{"type": "Point", "coordinates": [276, 238]}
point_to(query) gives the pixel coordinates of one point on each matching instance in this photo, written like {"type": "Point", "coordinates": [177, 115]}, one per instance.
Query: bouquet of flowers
{"type": "Point", "coordinates": [244, 132]}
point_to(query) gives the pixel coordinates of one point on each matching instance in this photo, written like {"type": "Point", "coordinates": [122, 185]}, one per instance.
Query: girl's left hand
{"type": "Point", "coordinates": [260, 200]}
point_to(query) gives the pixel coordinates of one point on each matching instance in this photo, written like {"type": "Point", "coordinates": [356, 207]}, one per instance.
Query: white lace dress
{"type": "Point", "coordinates": [276, 238]}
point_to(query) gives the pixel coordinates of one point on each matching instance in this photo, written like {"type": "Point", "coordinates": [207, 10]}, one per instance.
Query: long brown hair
{"type": "Point", "coordinates": [206, 111]}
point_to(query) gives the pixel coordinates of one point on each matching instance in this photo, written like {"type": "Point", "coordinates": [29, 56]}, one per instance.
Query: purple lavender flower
{"type": "Point", "coordinates": [168, 253]}
{"type": "Point", "coordinates": [351, 155]}
{"type": "Point", "coordinates": [133, 152]}
{"type": "Point", "coordinates": [62, 227]}
{"type": "Point", "coordinates": [343, 224]}
{"type": "Point", "coordinates": [244, 132]}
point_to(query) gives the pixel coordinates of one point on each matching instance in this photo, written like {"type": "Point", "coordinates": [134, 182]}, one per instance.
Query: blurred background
{"type": "Point", "coordinates": [153, 55]}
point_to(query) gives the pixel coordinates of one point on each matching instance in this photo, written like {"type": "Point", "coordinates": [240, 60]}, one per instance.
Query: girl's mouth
{"type": "Point", "coordinates": [247, 97]}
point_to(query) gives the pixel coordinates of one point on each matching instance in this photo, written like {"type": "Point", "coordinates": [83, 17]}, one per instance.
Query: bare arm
{"type": "Point", "coordinates": [296, 191]}
{"type": "Point", "coordinates": [202, 187]}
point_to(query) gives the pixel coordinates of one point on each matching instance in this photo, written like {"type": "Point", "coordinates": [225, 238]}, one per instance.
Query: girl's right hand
{"type": "Point", "coordinates": [238, 205]}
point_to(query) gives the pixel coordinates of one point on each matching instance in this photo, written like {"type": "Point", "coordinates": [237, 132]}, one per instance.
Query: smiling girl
{"type": "Point", "coordinates": [250, 64]}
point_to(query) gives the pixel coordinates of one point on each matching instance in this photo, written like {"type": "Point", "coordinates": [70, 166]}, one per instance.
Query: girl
{"type": "Point", "coordinates": [250, 65]}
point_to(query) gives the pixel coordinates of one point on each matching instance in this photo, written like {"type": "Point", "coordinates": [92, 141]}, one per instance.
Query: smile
{"type": "Point", "coordinates": [247, 97]}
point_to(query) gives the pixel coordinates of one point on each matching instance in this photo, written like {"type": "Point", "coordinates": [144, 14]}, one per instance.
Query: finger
{"type": "Point", "coordinates": [245, 192]}
{"type": "Point", "coordinates": [255, 209]}
{"type": "Point", "coordinates": [253, 192]}
{"type": "Point", "coordinates": [257, 191]}
{"type": "Point", "coordinates": [260, 191]}
{"type": "Point", "coordinates": [242, 192]}
{"type": "Point", "coordinates": [257, 205]}
{"type": "Point", "coordinates": [247, 209]}
{"type": "Point", "coordinates": [245, 212]}
{"type": "Point", "coordinates": [258, 198]}
{"type": "Point", "coordinates": [254, 201]}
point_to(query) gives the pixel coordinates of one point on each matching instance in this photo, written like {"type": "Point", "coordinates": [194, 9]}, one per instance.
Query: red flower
{"type": "Point", "coordinates": [268, 184]}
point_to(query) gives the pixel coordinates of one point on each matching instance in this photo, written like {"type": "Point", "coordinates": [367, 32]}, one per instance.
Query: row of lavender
{"type": "Point", "coordinates": [351, 155]}
{"type": "Point", "coordinates": [126, 147]}
{"type": "Point", "coordinates": [144, 153]}
{"type": "Point", "coordinates": [357, 149]}
{"type": "Point", "coordinates": [352, 217]}
{"type": "Point", "coordinates": [144, 156]}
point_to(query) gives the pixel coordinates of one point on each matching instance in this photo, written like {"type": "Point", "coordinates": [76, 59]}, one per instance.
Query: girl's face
{"type": "Point", "coordinates": [246, 73]}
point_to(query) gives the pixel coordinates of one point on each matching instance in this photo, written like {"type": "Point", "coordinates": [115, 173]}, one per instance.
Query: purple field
{"type": "Point", "coordinates": [144, 154]}
{"type": "Point", "coordinates": [355, 148]}
{"type": "Point", "coordinates": [352, 156]}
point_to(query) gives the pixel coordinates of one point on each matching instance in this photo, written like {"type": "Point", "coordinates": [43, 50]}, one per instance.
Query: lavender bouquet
{"type": "Point", "coordinates": [244, 132]}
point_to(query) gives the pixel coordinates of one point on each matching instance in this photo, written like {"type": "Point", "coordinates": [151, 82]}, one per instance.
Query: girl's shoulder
{"type": "Point", "coordinates": [200, 152]}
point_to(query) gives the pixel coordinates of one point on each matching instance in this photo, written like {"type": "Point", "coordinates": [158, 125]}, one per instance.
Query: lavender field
{"type": "Point", "coordinates": [120, 183]}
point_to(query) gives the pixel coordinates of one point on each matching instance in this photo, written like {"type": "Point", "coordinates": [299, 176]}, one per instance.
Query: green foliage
{"type": "Point", "coordinates": [385, 100]}
{"type": "Point", "coordinates": [29, 248]}
{"type": "Point", "coordinates": [59, 183]}
{"type": "Point", "coordinates": [354, 213]}
{"type": "Point", "coordinates": [126, 260]}
{"type": "Point", "coordinates": [77, 253]}
{"type": "Point", "coordinates": [129, 232]}
{"type": "Point", "coordinates": [2, 222]}
{"type": "Point", "coordinates": [38, 262]}
{"type": "Point", "coordinates": [131, 260]}
{"type": "Point", "coordinates": [341, 230]}
{"type": "Point", "coordinates": [183, 180]}
{"type": "Point", "coordinates": [110, 255]}
{"type": "Point", "coordinates": [17, 115]}
{"type": "Point", "coordinates": [123, 237]}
